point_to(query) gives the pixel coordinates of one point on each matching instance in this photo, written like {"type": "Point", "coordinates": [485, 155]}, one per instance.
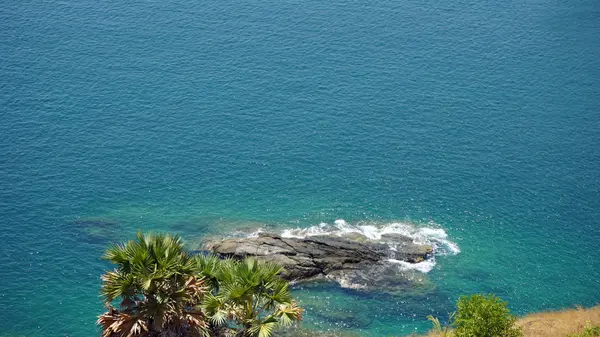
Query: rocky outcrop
{"type": "Point", "coordinates": [352, 261]}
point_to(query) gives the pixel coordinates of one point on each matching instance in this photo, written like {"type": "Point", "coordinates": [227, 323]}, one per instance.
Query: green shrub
{"type": "Point", "coordinates": [588, 332]}
{"type": "Point", "coordinates": [484, 316]}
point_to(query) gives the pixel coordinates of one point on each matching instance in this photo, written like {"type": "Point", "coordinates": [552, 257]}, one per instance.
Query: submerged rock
{"type": "Point", "coordinates": [353, 262]}
{"type": "Point", "coordinates": [94, 222]}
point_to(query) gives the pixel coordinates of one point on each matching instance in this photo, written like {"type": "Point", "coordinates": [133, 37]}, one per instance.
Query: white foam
{"type": "Point", "coordinates": [423, 267]}
{"type": "Point", "coordinates": [432, 235]}
{"type": "Point", "coordinates": [255, 233]}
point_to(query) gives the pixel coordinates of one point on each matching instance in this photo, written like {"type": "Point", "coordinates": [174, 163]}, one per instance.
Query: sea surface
{"type": "Point", "coordinates": [472, 122]}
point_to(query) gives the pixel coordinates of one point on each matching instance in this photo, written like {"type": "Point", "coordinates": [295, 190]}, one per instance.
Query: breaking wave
{"type": "Point", "coordinates": [431, 235]}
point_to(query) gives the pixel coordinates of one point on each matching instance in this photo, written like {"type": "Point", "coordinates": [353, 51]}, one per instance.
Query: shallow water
{"type": "Point", "coordinates": [203, 118]}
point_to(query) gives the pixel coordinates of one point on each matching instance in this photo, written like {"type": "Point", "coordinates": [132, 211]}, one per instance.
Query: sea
{"type": "Point", "coordinates": [470, 125]}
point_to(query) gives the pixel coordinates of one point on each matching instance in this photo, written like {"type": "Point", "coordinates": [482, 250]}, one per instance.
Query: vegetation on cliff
{"type": "Point", "coordinates": [158, 289]}
{"type": "Point", "coordinates": [479, 316]}
{"type": "Point", "coordinates": [578, 322]}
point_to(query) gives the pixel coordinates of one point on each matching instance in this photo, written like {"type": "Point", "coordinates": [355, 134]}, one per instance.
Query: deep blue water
{"type": "Point", "coordinates": [481, 117]}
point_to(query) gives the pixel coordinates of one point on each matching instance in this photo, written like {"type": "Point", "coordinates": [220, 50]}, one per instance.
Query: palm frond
{"type": "Point", "coordinates": [262, 328]}
{"type": "Point", "coordinates": [208, 266]}
{"type": "Point", "coordinates": [287, 314]}
{"type": "Point", "coordinates": [279, 293]}
{"type": "Point", "coordinates": [197, 325]}
{"type": "Point", "coordinates": [114, 323]}
{"type": "Point", "coordinates": [117, 284]}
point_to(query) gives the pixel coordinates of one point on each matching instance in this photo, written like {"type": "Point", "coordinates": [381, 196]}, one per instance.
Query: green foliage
{"type": "Point", "coordinates": [161, 290]}
{"type": "Point", "coordinates": [484, 316]}
{"type": "Point", "coordinates": [590, 331]}
{"type": "Point", "coordinates": [156, 284]}
{"type": "Point", "coordinates": [251, 295]}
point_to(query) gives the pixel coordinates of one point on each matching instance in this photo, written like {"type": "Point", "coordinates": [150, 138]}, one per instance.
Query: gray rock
{"type": "Point", "coordinates": [353, 262]}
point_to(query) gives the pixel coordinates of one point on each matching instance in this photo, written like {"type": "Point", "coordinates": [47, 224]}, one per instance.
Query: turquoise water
{"type": "Point", "coordinates": [481, 118]}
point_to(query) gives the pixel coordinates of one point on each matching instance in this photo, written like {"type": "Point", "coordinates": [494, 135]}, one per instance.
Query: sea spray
{"type": "Point", "coordinates": [431, 234]}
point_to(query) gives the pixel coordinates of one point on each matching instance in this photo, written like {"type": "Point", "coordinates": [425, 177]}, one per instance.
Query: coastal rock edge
{"type": "Point", "coordinates": [354, 262]}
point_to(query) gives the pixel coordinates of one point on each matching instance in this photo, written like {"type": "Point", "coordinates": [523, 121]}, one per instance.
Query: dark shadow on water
{"type": "Point", "coordinates": [96, 231]}
{"type": "Point", "coordinates": [477, 275]}
{"type": "Point", "coordinates": [328, 305]}
{"type": "Point", "coordinates": [84, 222]}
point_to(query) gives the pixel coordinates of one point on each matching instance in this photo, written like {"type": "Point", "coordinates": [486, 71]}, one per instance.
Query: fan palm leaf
{"type": "Point", "coordinates": [122, 324]}
{"type": "Point", "coordinates": [209, 267]}
{"type": "Point", "coordinates": [287, 314]}
{"type": "Point", "coordinates": [262, 328]}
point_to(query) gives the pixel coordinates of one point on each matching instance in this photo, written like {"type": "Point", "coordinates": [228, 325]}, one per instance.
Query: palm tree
{"type": "Point", "coordinates": [209, 266]}
{"type": "Point", "coordinates": [157, 287]}
{"type": "Point", "coordinates": [252, 295]}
